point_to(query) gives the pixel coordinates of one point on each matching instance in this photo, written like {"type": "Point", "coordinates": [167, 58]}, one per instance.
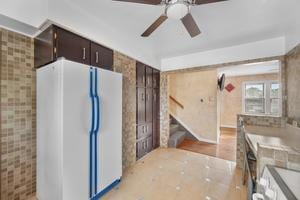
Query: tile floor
{"type": "Point", "coordinates": [174, 174]}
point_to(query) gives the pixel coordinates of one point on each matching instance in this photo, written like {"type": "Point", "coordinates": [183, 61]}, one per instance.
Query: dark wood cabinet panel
{"type": "Point", "coordinates": [140, 74]}
{"type": "Point", "coordinates": [149, 106]}
{"type": "Point", "coordinates": [149, 76]}
{"type": "Point", "coordinates": [156, 78]}
{"type": "Point", "coordinates": [147, 82]}
{"type": "Point", "coordinates": [149, 145]}
{"type": "Point", "coordinates": [144, 130]}
{"type": "Point", "coordinates": [155, 130]}
{"type": "Point", "coordinates": [143, 147]}
{"type": "Point", "coordinates": [72, 47]}
{"type": "Point", "coordinates": [55, 42]}
{"type": "Point", "coordinates": [141, 97]}
{"type": "Point", "coordinates": [101, 56]}
{"type": "Point", "coordinates": [43, 47]}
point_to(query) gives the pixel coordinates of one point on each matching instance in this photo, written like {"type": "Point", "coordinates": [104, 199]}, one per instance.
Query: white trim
{"type": "Point", "coordinates": [227, 126]}
{"type": "Point", "coordinates": [189, 130]}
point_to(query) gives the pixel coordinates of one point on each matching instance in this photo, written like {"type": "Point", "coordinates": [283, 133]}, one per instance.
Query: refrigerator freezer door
{"type": "Point", "coordinates": [49, 133]}
{"type": "Point", "coordinates": [110, 132]}
{"type": "Point", "coordinates": [76, 127]}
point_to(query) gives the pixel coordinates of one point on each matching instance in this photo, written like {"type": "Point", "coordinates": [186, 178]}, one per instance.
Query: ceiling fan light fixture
{"type": "Point", "coordinates": [177, 9]}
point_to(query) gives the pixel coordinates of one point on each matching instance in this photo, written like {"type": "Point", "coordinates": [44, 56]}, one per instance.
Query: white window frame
{"type": "Point", "coordinates": [267, 88]}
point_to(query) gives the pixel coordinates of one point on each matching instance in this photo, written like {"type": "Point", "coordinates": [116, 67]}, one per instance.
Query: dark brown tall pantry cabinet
{"type": "Point", "coordinates": [147, 87]}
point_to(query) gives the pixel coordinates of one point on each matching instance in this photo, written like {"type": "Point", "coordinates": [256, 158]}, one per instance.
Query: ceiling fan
{"type": "Point", "coordinates": [175, 9]}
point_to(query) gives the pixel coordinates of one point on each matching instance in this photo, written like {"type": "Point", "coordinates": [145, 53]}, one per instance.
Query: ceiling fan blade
{"type": "Point", "coordinates": [199, 2]}
{"type": "Point", "coordinates": [190, 25]}
{"type": "Point", "coordinates": [155, 25]}
{"type": "Point", "coordinates": [151, 2]}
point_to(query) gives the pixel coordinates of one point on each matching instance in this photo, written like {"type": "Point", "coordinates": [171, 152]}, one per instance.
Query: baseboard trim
{"type": "Point", "coordinates": [227, 126]}
{"type": "Point", "coordinates": [189, 130]}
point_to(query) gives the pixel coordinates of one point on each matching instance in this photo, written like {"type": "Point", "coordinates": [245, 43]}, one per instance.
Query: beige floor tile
{"type": "Point", "coordinates": [173, 174]}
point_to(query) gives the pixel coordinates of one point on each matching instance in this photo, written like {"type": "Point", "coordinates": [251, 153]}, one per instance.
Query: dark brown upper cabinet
{"type": "Point", "coordinates": [101, 56]}
{"type": "Point", "coordinates": [149, 76]}
{"type": "Point", "coordinates": [72, 47]}
{"type": "Point", "coordinates": [140, 74]}
{"type": "Point", "coordinates": [56, 42]}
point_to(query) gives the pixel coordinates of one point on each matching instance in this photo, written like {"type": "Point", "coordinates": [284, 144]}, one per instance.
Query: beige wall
{"type": "Point", "coordinates": [189, 89]}
{"type": "Point", "coordinates": [293, 83]}
{"type": "Point", "coordinates": [231, 102]}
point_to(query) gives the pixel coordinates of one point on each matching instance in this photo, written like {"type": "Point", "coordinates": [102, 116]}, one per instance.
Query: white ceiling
{"type": "Point", "coordinates": [119, 24]}
{"type": "Point", "coordinates": [251, 69]}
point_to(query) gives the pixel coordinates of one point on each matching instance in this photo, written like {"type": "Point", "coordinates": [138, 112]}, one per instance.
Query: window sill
{"type": "Point", "coordinates": [261, 115]}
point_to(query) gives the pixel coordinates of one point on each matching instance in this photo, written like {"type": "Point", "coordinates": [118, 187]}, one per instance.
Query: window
{"type": "Point", "coordinates": [262, 97]}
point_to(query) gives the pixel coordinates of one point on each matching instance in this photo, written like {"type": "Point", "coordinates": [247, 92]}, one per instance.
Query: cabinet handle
{"type": "Point", "coordinates": [147, 129]}
{"type": "Point", "coordinates": [143, 96]}
{"type": "Point", "coordinates": [143, 128]}
{"type": "Point", "coordinates": [143, 79]}
{"type": "Point", "coordinates": [83, 53]}
{"type": "Point", "coordinates": [148, 80]}
{"type": "Point", "coordinates": [97, 57]}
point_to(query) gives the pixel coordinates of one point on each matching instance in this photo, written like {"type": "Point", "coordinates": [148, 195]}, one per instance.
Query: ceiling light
{"type": "Point", "coordinates": [177, 9]}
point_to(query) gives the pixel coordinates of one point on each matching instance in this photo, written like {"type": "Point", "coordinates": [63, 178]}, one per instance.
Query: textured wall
{"type": "Point", "coordinates": [127, 66]}
{"type": "Point", "coordinates": [293, 83]}
{"type": "Point", "coordinates": [197, 91]}
{"type": "Point", "coordinates": [164, 110]}
{"type": "Point", "coordinates": [231, 102]}
{"type": "Point", "coordinates": [18, 117]}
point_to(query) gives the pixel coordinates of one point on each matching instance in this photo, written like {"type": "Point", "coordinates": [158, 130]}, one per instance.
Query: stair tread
{"type": "Point", "coordinates": [178, 133]}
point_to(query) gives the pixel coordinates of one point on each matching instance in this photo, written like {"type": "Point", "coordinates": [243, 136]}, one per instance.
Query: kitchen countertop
{"type": "Point", "coordinates": [286, 138]}
{"type": "Point", "coordinates": [287, 180]}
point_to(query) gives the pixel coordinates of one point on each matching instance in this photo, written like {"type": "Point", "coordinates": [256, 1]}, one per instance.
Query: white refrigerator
{"type": "Point", "coordinates": [79, 131]}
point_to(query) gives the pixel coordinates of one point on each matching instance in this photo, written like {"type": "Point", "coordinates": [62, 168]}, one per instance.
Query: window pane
{"type": "Point", "coordinates": [254, 90]}
{"type": "Point", "coordinates": [274, 90]}
{"type": "Point", "coordinates": [275, 105]}
{"type": "Point", "coordinates": [255, 105]}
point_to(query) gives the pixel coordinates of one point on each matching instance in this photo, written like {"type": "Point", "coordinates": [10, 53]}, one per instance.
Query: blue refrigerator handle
{"type": "Point", "coordinates": [91, 132]}
{"type": "Point", "coordinates": [96, 130]}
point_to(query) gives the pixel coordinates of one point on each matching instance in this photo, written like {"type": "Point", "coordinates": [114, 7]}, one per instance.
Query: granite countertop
{"type": "Point", "coordinates": [286, 138]}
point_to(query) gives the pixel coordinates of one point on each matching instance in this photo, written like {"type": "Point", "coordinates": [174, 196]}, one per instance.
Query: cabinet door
{"type": "Point", "coordinates": [156, 78]}
{"type": "Point", "coordinates": [141, 97]}
{"type": "Point", "coordinates": [149, 105]}
{"type": "Point", "coordinates": [149, 145]}
{"type": "Point", "coordinates": [143, 131]}
{"type": "Point", "coordinates": [141, 148]}
{"type": "Point", "coordinates": [149, 76]}
{"type": "Point", "coordinates": [101, 56]}
{"type": "Point", "coordinates": [71, 46]}
{"type": "Point", "coordinates": [155, 130]}
{"type": "Point", "coordinates": [140, 74]}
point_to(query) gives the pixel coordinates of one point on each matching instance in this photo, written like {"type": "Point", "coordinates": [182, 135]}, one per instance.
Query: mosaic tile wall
{"type": "Point", "coordinates": [18, 117]}
{"type": "Point", "coordinates": [253, 121]}
{"type": "Point", "coordinates": [286, 158]}
{"type": "Point", "coordinates": [164, 110]}
{"type": "Point", "coordinates": [127, 66]}
{"type": "Point", "coordinates": [293, 82]}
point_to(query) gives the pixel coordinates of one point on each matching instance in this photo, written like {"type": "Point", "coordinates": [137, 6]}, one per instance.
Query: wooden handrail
{"type": "Point", "coordinates": [177, 102]}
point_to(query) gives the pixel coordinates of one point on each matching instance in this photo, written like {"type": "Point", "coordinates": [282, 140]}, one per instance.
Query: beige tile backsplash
{"type": "Point", "coordinates": [18, 116]}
